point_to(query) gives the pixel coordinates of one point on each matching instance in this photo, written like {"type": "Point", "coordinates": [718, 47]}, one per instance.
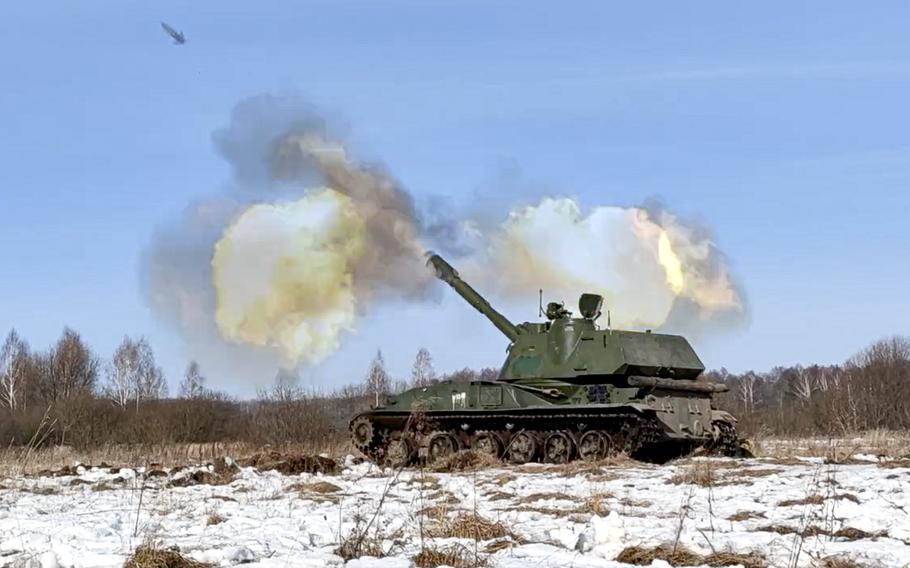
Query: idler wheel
{"type": "Point", "coordinates": [522, 447]}
{"type": "Point", "coordinates": [399, 452]}
{"type": "Point", "coordinates": [488, 443]}
{"type": "Point", "coordinates": [441, 445]}
{"type": "Point", "coordinates": [557, 447]}
{"type": "Point", "coordinates": [362, 433]}
{"type": "Point", "coordinates": [594, 445]}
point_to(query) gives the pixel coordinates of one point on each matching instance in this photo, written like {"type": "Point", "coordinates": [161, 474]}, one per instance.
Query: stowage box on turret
{"type": "Point", "coordinates": [567, 390]}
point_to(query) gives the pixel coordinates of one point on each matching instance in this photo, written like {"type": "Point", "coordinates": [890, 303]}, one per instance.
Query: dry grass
{"type": "Point", "coordinates": [56, 460]}
{"type": "Point", "coordinates": [837, 561]}
{"type": "Point", "coordinates": [497, 545]}
{"type": "Point", "coordinates": [817, 499]}
{"type": "Point", "coordinates": [467, 460]}
{"type": "Point", "coordinates": [503, 479]}
{"type": "Point", "coordinates": [848, 533]}
{"type": "Point", "coordinates": [700, 473]}
{"type": "Point", "coordinates": [626, 502]}
{"type": "Point", "coordinates": [471, 526]}
{"type": "Point", "coordinates": [679, 556]}
{"type": "Point", "coordinates": [320, 487]}
{"type": "Point", "coordinates": [353, 548]}
{"type": "Point", "coordinates": [292, 463]}
{"type": "Point", "coordinates": [42, 490]}
{"type": "Point", "coordinates": [201, 477]}
{"type": "Point", "coordinates": [214, 519]}
{"type": "Point", "coordinates": [544, 497]}
{"type": "Point", "coordinates": [740, 516]}
{"type": "Point", "coordinates": [595, 504]}
{"type": "Point", "coordinates": [807, 500]}
{"type": "Point", "coordinates": [882, 443]}
{"type": "Point", "coordinates": [148, 556]}
{"type": "Point", "coordinates": [500, 496]}
{"type": "Point", "coordinates": [455, 555]}
{"type": "Point", "coordinates": [746, 474]}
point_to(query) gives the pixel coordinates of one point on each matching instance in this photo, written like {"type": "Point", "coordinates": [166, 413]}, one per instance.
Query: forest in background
{"type": "Point", "coordinates": [67, 395]}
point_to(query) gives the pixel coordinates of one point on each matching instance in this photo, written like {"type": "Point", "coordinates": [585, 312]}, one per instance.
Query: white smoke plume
{"type": "Point", "coordinates": [646, 263]}
{"type": "Point", "coordinates": [305, 239]}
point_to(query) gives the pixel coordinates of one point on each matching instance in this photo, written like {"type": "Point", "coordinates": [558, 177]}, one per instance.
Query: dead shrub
{"type": "Point", "coordinates": [472, 526]}
{"type": "Point", "coordinates": [147, 556]}
{"type": "Point", "coordinates": [455, 555]}
{"type": "Point", "coordinates": [467, 460]}
{"type": "Point", "coordinates": [214, 519]}
{"type": "Point", "coordinates": [679, 556]}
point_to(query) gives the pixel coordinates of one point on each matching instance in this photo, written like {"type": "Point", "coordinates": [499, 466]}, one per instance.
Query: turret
{"type": "Point", "coordinates": [449, 275]}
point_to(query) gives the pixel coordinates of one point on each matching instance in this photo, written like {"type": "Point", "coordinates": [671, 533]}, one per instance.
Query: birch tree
{"type": "Point", "coordinates": [377, 381]}
{"type": "Point", "coordinates": [423, 373]}
{"type": "Point", "coordinates": [13, 361]}
{"type": "Point", "coordinates": [193, 383]}
{"type": "Point", "coordinates": [132, 375]}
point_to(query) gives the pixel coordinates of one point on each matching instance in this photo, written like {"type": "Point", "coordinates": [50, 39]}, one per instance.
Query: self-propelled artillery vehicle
{"type": "Point", "coordinates": [567, 390]}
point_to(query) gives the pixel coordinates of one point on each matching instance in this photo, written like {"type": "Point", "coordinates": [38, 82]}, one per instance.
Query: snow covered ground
{"type": "Point", "coordinates": [576, 515]}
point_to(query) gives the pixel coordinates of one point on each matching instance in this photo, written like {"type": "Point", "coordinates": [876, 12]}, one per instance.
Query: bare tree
{"type": "Point", "coordinates": [377, 382]}
{"type": "Point", "coordinates": [13, 364]}
{"type": "Point", "coordinates": [800, 382]}
{"type": "Point", "coordinates": [286, 387]}
{"type": "Point", "coordinates": [132, 374]}
{"type": "Point", "coordinates": [71, 369]}
{"type": "Point", "coordinates": [423, 373]}
{"type": "Point", "coordinates": [193, 383]}
{"type": "Point", "coordinates": [150, 379]}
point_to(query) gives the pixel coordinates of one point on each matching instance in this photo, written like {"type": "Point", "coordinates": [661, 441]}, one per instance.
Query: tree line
{"type": "Point", "coordinates": [69, 395]}
{"type": "Point", "coordinates": [870, 390]}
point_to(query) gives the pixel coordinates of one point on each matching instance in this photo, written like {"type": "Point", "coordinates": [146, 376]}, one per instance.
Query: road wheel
{"type": "Point", "coordinates": [557, 447]}
{"type": "Point", "coordinates": [522, 447]}
{"type": "Point", "coordinates": [487, 443]}
{"type": "Point", "coordinates": [441, 445]}
{"type": "Point", "coordinates": [399, 452]}
{"type": "Point", "coordinates": [594, 445]}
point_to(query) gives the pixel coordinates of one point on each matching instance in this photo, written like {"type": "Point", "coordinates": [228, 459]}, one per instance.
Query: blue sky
{"type": "Point", "coordinates": [783, 126]}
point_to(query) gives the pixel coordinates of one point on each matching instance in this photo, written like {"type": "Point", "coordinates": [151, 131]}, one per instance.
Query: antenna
{"type": "Point", "coordinates": [540, 302]}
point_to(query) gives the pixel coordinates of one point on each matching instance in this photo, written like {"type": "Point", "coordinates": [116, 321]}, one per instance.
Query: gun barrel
{"type": "Point", "coordinates": [449, 275]}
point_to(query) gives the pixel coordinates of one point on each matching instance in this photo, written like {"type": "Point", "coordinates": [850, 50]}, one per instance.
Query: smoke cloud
{"type": "Point", "coordinates": [304, 240]}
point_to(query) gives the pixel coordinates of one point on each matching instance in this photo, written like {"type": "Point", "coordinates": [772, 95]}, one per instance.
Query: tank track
{"type": "Point", "coordinates": [401, 439]}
